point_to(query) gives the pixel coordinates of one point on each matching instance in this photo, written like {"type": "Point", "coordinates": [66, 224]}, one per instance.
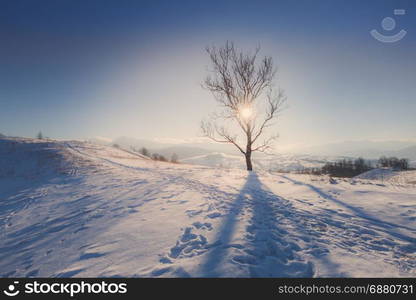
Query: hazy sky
{"type": "Point", "coordinates": [78, 69]}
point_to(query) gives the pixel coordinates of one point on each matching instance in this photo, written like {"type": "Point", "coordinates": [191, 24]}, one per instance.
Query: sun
{"type": "Point", "coordinates": [246, 112]}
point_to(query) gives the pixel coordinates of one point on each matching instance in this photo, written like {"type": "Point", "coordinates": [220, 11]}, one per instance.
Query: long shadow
{"type": "Point", "coordinates": [224, 236]}
{"type": "Point", "coordinates": [268, 251]}
{"type": "Point", "coordinates": [272, 251]}
{"type": "Point", "coordinates": [359, 212]}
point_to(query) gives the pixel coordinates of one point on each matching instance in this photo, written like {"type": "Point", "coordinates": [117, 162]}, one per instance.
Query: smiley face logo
{"type": "Point", "coordinates": [11, 290]}
{"type": "Point", "coordinates": [388, 24]}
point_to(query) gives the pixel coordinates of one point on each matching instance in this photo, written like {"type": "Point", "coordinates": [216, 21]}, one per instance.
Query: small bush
{"type": "Point", "coordinates": [144, 151]}
{"type": "Point", "coordinates": [174, 158]}
{"type": "Point", "coordinates": [158, 157]}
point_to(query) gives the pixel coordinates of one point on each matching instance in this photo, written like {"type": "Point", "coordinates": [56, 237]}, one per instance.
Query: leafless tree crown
{"type": "Point", "coordinates": [241, 81]}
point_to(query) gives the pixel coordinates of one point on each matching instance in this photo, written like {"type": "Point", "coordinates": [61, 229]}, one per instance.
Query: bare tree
{"type": "Point", "coordinates": [243, 85]}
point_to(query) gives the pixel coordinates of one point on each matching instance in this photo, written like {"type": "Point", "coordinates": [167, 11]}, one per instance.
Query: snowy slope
{"type": "Point", "coordinates": [378, 174]}
{"type": "Point", "coordinates": [390, 176]}
{"type": "Point", "coordinates": [70, 208]}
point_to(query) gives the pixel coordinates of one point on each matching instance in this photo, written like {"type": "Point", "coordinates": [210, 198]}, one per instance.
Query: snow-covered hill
{"type": "Point", "coordinates": [390, 176]}
{"type": "Point", "coordinates": [70, 208]}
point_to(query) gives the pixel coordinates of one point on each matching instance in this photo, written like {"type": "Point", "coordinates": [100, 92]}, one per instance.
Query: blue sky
{"type": "Point", "coordinates": [79, 69]}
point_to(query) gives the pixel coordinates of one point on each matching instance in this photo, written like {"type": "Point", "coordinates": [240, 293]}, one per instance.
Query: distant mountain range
{"type": "Point", "coordinates": [214, 154]}
{"type": "Point", "coordinates": [285, 162]}
{"type": "Point", "coordinates": [366, 149]}
{"type": "Point", "coordinates": [409, 152]}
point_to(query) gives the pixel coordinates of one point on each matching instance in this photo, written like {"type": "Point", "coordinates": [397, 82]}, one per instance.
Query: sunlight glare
{"type": "Point", "coordinates": [246, 112]}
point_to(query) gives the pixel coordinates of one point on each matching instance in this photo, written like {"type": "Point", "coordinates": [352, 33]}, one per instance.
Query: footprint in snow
{"type": "Point", "coordinates": [214, 215]}
{"type": "Point", "coordinates": [199, 225]}
{"type": "Point", "coordinates": [188, 245]}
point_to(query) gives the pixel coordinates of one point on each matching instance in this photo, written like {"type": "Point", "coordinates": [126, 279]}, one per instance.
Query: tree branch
{"type": "Point", "coordinates": [275, 105]}
{"type": "Point", "coordinates": [210, 131]}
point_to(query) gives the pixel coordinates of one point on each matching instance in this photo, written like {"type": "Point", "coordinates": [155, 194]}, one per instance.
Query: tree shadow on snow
{"type": "Point", "coordinates": [270, 243]}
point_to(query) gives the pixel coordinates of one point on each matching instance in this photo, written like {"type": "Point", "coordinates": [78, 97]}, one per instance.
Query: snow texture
{"type": "Point", "coordinates": [74, 209]}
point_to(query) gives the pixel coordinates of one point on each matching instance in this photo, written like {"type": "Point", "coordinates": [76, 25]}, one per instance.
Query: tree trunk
{"type": "Point", "coordinates": [248, 151]}
{"type": "Point", "coordinates": [248, 162]}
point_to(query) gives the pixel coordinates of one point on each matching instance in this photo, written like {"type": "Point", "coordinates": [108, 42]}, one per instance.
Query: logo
{"type": "Point", "coordinates": [71, 289]}
{"type": "Point", "coordinates": [11, 291]}
{"type": "Point", "coordinates": [388, 24]}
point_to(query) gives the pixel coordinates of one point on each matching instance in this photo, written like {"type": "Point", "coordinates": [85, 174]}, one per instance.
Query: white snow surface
{"type": "Point", "coordinates": [73, 209]}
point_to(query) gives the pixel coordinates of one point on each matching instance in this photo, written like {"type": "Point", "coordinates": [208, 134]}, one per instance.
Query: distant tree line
{"type": "Point", "coordinates": [347, 167]}
{"type": "Point", "coordinates": [351, 168]}
{"type": "Point", "coordinates": [393, 162]}
{"type": "Point", "coordinates": [155, 156]}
